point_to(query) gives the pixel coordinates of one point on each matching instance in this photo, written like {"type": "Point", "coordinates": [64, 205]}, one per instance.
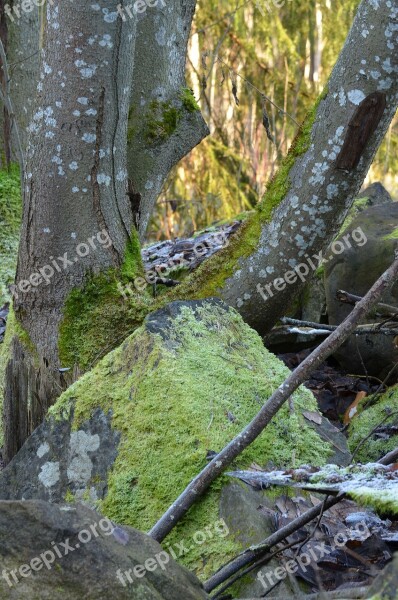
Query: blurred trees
{"type": "Point", "coordinates": [286, 53]}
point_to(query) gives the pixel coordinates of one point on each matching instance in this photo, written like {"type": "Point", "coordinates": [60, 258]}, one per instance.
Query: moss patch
{"type": "Point", "coordinates": [210, 277]}
{"type": "Point", "coordinates": [376, 414]}
{"type": "Point", "coordinates": [10, 221]}
{"type": "Point", "coordinates": [173, 400]}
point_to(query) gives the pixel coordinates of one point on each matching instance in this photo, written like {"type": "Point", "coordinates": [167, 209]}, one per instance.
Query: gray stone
{"type": "Point", "coordinates": [59, 552]}
{"type": "Point", "coordinates": [355, 271]}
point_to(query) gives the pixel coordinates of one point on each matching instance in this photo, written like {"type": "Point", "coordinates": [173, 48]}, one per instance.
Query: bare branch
{"type": "Point", "coordinates": [204, 479]}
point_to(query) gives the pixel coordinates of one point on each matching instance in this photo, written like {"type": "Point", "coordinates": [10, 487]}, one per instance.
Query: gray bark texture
{"type": "Point", "coordinates": [23, 56]}
{"type": "Point", "coordinates": [320, 193]}
{"type": "Point", "coordinates": [158, 85]}
{"type": "Point", "coordinates": [76, 178]}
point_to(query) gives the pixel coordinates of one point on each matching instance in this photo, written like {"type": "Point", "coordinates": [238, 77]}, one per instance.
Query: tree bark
{"type": "Point", "coordinates": [315, 193]}
{"type": "Point", "coordinates": [158, 93]}
{"type": "Point", "coordinates": [75, 180]}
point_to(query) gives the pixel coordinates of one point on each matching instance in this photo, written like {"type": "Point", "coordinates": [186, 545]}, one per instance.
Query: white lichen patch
{"type": "Point", "coordinates": [42, 450]}
{"type": "Point", "coordinates": [356, 96]}
{"type": "Point", "coordinates": [49, 474]}
{"type": "Point", "coordinates": [80, 464]}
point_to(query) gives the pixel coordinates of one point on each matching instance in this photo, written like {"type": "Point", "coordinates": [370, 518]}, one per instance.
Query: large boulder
{"type": "Point", "coordinates": [51, 552]}
{"type": "Point", "coordinates": [355, 270]}
{"type": "Point", "coordinates": [132, 433]}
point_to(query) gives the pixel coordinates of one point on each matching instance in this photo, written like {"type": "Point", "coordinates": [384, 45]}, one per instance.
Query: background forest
{"type": "Point", "coordinates": [283, 50]}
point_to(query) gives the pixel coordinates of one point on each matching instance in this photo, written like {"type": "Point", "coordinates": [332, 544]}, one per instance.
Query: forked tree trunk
{"type": "Point", "coordinates": [164, 124]}
{"type": "Point", "coordinates": [76, 180]}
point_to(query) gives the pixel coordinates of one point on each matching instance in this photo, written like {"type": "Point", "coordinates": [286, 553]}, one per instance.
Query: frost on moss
{"type": "Point", "coordinates": [176, 393]}
{"type": "Point", "coordinates": [10, 220]}
{"type": "Point", "coordinates": [378, 411]}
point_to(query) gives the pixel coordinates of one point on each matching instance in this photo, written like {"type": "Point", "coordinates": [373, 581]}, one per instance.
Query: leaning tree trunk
{"type": "Point", "coordinates": [164, 122]}
{"type": "Point", "coordinates": [308, 199]}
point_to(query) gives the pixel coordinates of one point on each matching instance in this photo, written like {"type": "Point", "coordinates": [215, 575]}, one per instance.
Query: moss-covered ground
{"type": "Point", "coordinates": [175, 399]}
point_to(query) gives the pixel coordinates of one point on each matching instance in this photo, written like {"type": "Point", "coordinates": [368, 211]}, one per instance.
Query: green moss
{"type": "Point", "coordinates": [10, 220]}
{"type": "Point", "coordinates": [393, 235]}
{"type": "Point", "coordinates": [382, 501]}
{"type": "Point", "coordinates": [188, 100]}
{"type": "Point", "coordinates": [210, 277]}
{"type": "Point", "coordinates": [69, 497]}
{"type": "Point", "coordinates": [97, 317]}
{"type": "Point", "coordinates": [161, 121]}
{"type": "Point", "coordinates": [172, 401]}
{"type": "Point", "coordinates": [377, 409]}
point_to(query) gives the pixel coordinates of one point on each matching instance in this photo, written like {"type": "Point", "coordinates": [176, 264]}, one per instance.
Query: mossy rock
{"type": "Point", "coordinates": [133, 432]}
{"type": "Point", "coordinates": [373, 413]}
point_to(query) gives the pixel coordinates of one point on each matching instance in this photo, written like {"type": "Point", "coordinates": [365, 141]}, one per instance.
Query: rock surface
{"type": "Point", "coordinates": [58, 552]}
{"type": "Point", "coordinates": [355, 270]}
{"type": "Point", "coordinates": [133, 432]}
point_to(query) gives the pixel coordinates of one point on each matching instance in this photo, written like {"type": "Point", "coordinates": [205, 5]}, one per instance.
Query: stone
{"type": "Point", "coordinates": [355, 270]}
{"type": "Point", "coordinates": [51, 552]}
{"type": "Point", "coordinates": [133, 432]}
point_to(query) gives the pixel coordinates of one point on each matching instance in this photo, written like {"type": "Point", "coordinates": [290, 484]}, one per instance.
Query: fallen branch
{"type": "Point", "coordinates": [386, 310]}
{"type": "Point", "coordinates": [204, 479]}
{"type": "Point", "coordinates": [258, 552]}
{"type": "Point", "coordinates": [255, 552]}
{"type": "Point", "coordinates": [373, 328]}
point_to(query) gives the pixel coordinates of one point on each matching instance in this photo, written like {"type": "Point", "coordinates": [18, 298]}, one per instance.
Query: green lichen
{"type": "Point", "coordinates": [97, 317]}
{"type": "Point", "coordinates": [173, 401]}
{"type": "Point", "coordinates": [161, 121]}
{"type": "Point", "coordinates": [10, 220]}
{"type": "Point", "coordinates": [374, 412]}
{"type": "Point", "coordinates": [188, 100]}
{"type": "Point", "coordinates": [210, 277]}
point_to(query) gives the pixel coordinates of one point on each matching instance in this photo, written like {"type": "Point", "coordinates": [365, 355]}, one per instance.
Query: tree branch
{"type": "Point", "coordinates": [204, 479]}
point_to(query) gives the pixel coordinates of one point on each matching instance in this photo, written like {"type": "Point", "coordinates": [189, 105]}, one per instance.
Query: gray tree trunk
{"type": "Point", "coordinates": [318, 193]}
{"type": "Point", "coordinates": [162, 128]}
{"type": "Point", "coordinates": [76, 178]}
{"type": "Point", "coordinates": [23, 56]}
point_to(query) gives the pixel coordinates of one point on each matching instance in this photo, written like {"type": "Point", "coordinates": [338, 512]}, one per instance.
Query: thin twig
{"type": "Point", "coordinates": [257, 90]}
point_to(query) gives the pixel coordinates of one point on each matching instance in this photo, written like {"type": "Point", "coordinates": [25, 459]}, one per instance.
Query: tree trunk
{"type": "Point", "coordinates": [23, 56]}
{"type": "Point", "coordinates": [306, 202]}
{"type": "Point", "coordinates": [77, 218]}
{"type": "Point", "coordinates": [164, 122]}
